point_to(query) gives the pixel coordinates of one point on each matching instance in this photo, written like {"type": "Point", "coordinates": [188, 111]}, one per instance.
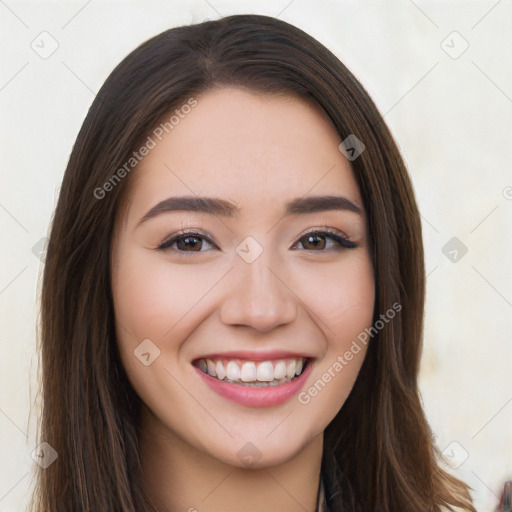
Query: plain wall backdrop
{"type": "Point", "coordinates": [440, 73]}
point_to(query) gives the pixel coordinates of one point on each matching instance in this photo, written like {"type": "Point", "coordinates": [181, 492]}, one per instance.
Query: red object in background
{"type": "Point", "coordinates": [505, 503]}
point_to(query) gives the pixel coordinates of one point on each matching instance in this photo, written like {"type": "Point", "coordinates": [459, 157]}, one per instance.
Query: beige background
{"type": "Point", "coordinates": [450, 111]}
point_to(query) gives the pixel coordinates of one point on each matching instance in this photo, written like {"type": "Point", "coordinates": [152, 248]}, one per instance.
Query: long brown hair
{"type": "Point", "coordinates": [380, 441]}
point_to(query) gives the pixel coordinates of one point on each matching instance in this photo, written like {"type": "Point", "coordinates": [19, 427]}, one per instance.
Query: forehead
{"type": "Point", "coordinates": [257, 150]}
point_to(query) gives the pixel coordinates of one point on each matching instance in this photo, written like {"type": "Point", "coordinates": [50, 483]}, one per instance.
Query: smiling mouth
{"type": "Point", "coordinates": [253, 373]}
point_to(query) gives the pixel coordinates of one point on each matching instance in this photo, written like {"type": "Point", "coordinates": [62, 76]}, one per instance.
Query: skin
{"type": "Point", "coordinates": [257, 151]}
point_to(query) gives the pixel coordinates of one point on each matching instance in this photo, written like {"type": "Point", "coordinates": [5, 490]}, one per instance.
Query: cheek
{"type": "Point", "coordinates": [147, 306]}
{"type": "Point", "coordinates": [152, 297]}
{"type": "Point", "coordinates": [154, 301]}
{"type": "Point", "coordinates": [343, 298]}
{"type": "Point", "coordinates": [161, 302]}
{"type": "Point", "coordinates": [345, 309]}
{"type": "Point", "coordinates": [354, 299]}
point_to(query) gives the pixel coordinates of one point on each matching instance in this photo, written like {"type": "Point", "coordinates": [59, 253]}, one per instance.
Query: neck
{"type": "Point", "coordinates": [180, 477]}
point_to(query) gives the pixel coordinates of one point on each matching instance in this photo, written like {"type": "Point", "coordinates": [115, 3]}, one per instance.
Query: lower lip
{"type": "Point", "coordinates": [253, 396]}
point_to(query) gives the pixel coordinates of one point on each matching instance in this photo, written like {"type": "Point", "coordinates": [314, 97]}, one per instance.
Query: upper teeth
{"type": "Point", "coordinates": [250, 371]}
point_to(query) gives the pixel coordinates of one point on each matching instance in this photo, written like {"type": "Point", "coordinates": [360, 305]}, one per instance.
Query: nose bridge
{"type": "Point", "coordinates": [257, 295]}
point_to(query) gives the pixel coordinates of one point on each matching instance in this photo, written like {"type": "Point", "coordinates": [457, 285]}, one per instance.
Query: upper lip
{"type": "Point", "coordinates": [256, 355]}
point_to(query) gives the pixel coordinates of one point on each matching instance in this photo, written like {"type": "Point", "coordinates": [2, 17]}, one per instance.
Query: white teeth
{"type": "Point", "coordinates": [233, 371]}
{"type": "Point", "coordinates": [219, 370]}
{"type": "Point", "coordinates": [248, 373]}
{"type": "Point", "coordinates": [210, 367]}
{"type": "Point", "coordinates": [252, 373]}
{"type": "Point", "coordinates": [290, 370]}
{"type": "Point", "coordinates": [280, 370]}
{"type": "Point", "coordinates": [265, 372]}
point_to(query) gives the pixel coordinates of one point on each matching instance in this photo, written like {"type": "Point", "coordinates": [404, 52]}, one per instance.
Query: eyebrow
{"type": "Point", "coordinates": [221, 207]}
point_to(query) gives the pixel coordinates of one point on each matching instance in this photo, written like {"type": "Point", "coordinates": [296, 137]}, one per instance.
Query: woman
{"type": "Point", "coordinates": [232, 303]}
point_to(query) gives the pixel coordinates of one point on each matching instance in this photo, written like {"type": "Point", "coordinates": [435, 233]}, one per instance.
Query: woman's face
{"type": "Point", "coordinates": [250, 293]}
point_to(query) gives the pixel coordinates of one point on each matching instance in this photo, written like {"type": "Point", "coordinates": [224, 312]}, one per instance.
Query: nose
{"type": "Point", "coordinates": [258, 296]}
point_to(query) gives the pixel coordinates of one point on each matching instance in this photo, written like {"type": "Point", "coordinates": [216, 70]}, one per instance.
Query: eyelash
{"type": "Point", "coordinates": [343, 242]}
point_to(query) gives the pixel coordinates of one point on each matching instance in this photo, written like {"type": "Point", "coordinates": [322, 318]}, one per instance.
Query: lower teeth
{"type": "Point", "coordinates": [258, 384]}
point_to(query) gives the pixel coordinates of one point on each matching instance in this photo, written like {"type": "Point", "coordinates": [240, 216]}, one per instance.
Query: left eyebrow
{"type": "Point", "coordinates": [221, 207]}
{"type": "Point", "coordinates": [314, 204]}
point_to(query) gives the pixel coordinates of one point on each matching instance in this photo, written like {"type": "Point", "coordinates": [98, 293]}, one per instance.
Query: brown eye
{"type": "Point", "coordinates": [314, 242]}
{"type": "Point", "coordinates": [189, 242]}
{"type": "Point", "coordinates": [317, 241]}
{"type": "Point", "coordinates": [185, 242]}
